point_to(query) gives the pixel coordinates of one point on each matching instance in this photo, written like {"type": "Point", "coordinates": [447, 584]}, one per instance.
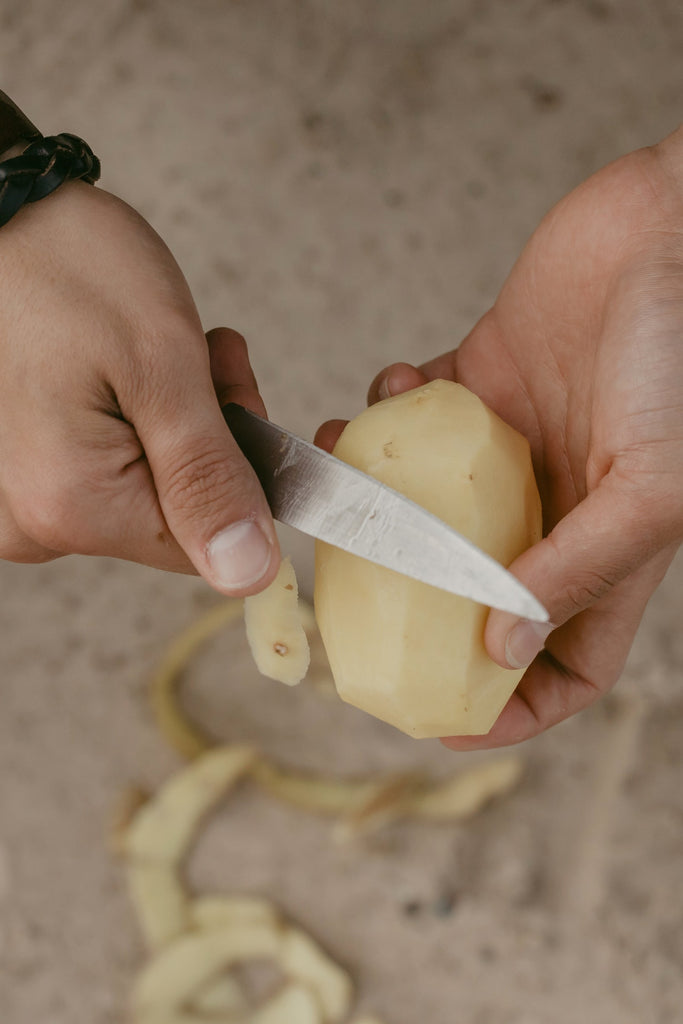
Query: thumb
{"type": "Point", "coordinates": [209, 494]}
{"type": "Point", "coordinates": [604, 539]}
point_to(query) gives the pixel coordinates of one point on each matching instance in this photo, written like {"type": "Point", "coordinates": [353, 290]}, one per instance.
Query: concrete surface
{"type": "Point", "coordinates": [347, 184]}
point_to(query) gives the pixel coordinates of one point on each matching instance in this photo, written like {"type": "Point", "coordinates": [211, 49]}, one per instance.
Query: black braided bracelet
{"type": "Point", "coordinates": [43, 166]}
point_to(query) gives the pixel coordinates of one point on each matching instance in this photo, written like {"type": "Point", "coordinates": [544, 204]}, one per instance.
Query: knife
{"type": "Point", "coordinates": [319, 494]}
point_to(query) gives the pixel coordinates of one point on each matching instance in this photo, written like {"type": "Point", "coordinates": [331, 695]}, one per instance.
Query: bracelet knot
{"type": "Point", "coordinates": [43, 166]}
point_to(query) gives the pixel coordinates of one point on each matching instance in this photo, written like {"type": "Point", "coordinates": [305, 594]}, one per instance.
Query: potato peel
{"type": "Point", "coordinates": [159, 900]}
{"type": "Point", "coordinates": [164, 827]}
{"type": "Point", "coordinates": [386, 800]}
{"type": "Point", "coordinates": [466, 793]}
{"type": "Point", "coordinates": [183, 735]}
{"type": "Point", "coordinates": [293, 1004]}
{"type": "Point", "coordinates": [131, 799]}
{"type": "Point", "coordinates": [195, 943]}
{"type": "Point", "coordinates": [178, 973]}
{"type": "Point", "coordinates": [275, 631]}
{"type": "Point", "coordinates": [224, 995]}
{"type": "Point", "coordinates": [207, 912]}
{"type": "Point", "coordinates": [311, 792]}
{"type": "Point", "coordinates": [303, 959]}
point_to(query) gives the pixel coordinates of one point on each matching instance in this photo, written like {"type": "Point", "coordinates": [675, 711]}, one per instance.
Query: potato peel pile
{"type": "Point", "coordinates": [197, 942]}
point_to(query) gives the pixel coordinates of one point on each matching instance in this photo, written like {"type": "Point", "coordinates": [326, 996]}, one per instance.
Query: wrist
{"type": "Point", "coordinates": [33, 166]}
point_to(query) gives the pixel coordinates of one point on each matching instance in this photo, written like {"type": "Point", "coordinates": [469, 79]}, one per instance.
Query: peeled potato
{"type": "Point", "coordinates": [401, 650]}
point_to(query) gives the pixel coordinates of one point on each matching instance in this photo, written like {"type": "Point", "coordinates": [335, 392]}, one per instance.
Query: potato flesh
{"type": "Point", "coordinates": [403, 651]}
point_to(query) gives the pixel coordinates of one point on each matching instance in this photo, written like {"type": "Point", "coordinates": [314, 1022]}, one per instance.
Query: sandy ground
{"type": "Point", "coordinates": [347, 184]}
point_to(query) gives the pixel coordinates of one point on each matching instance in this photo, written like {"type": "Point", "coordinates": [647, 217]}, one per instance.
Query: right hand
{"type": "Point", "coordinates": [112, 440]}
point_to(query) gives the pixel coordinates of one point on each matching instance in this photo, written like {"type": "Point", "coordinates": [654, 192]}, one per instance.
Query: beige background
{"type": "Point", "coordinates": [347, 184]}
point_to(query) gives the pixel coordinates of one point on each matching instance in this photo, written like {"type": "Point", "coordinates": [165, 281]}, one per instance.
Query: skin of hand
{"type": "Point", "coordinates": [582, 352]}
{"type": "Point", "coordinates": [111, 434]}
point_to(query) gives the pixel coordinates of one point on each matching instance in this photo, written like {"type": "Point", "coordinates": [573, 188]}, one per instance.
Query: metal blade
{"type": "Point", "coordinates": [318, 494]}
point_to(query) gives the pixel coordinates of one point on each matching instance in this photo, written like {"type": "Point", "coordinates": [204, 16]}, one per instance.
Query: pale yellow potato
{"type": "Point", "coordinates": [403, 651]}
{"type": "Point", "coordinates": [275, 630]}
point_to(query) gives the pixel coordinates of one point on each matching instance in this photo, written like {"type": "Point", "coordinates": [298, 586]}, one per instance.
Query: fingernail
{"type": "Point", "coordinates": [239, 555]}
{"type": "Point", "coordinates": [383, 389]}
{"type": "Point", "coordinates": [524, 641]}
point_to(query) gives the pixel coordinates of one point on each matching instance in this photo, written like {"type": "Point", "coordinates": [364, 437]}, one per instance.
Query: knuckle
{"type": "Point", "coordinates": [586, 590]}
{"type": "Point", "coordinates": [156, 355]}
{"type": "Point", "coordinates": [200, 484]}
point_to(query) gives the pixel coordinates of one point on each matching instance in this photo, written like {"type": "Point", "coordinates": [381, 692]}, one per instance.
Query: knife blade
{"type": "Point", "coordinates": [313, 491]}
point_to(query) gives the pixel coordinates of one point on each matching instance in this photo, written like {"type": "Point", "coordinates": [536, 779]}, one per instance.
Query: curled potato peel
{"type": "Point", "coordinates": [226, 932]}
{"type": "Point", "coordinates": [164, 827]}
{"type": "Point", "coordinates": [275, 630]}
{"type": "Point", "coordinates": [195, 942]}
{"type": "Point", "coordinates": [455, 799]}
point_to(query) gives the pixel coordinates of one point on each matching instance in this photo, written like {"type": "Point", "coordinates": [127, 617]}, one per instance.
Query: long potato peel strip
{"type": "Point", "coordinates": [452, 800]}
{"type": "Point", "coordinates": [232, 912]}
{"type": "Point", "coordinates": [467, 792]}
{"type": "Point", "coordinates": [159, 900]}
{"type": "Point", "coordinates": [311, 792]}
{"type": "Point", "coordinates": [183, 735]}
{"type": "Point", "coordinates": [164, 827]}
{"type": "Point", "coordinates": [196, 942]}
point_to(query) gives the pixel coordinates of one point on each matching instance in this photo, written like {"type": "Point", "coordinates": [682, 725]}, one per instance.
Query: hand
{"type": "Point", "coordinates": [583, 353]}
{"type": "Point", "coordinates": [111, 437]}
